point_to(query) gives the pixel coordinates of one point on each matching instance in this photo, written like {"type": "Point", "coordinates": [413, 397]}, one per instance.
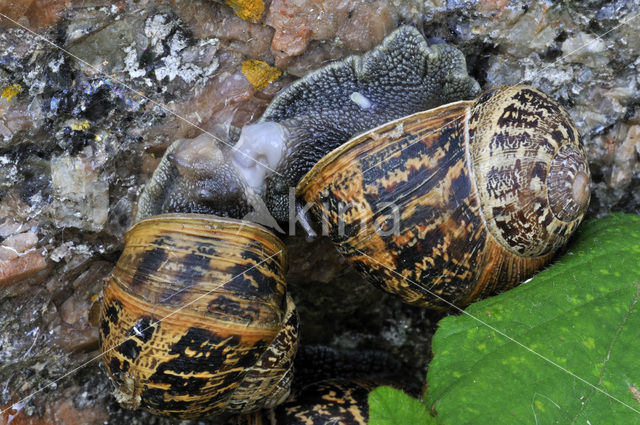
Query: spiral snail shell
{"type": "Point", "coordinates": [484, 192]}
{"type": "Point", "coordinates": [196, 320]}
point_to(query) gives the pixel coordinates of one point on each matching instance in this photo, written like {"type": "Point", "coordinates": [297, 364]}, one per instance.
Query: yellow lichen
{"type": "Point", "coordinates": [80, 125]}
{"type": "Point", "coordinates": [259, 73]}
{"type": "Point", "coordinates": [249, 10]}
{"type": "Point", "coordinates": [11, 91]}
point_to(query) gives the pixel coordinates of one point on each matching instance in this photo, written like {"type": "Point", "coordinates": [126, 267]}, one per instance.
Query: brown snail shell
{"type": "Point", "coordinates": [482, 193]}
{"type": "Point", "coordinates": [196, 319]}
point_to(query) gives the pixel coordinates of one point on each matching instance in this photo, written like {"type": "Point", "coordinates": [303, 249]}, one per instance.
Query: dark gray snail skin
{"type": "Point", "coordinates": [303, 123]}
{"type": "Point", "coordinates": [194, 177]}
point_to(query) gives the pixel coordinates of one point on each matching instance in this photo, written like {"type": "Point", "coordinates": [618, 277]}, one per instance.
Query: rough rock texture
{"type": "Point", "coordinates": [35, 14]}
{"type": "Point", "coordinates": [80, 136]}
{"type": "Point", "coordinates": [356, 25]}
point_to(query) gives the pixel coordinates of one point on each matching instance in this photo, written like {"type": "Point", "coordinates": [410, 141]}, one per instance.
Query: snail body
{"type": "Point", "coordinates": [452, 204]}
{"type": "Point", "coordinates": [196, 320]}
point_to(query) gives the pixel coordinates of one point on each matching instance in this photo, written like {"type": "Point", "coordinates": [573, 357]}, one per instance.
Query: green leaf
{"type": "Point", "coordinates": [388, 406]}
{"type": "Point", "coordinates": [579, 326]}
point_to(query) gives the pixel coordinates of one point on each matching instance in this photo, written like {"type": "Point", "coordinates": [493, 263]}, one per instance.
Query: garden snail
{"type": "Point", "coordinates": [231, 350]}
{"type": "Point", "coordinates": [196, 320]}
{"type": "Point", "coordinates": [485, 192]}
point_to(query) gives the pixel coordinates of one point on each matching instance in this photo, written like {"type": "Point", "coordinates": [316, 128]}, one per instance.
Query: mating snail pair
{"type": "Point", "coordinates": [438, 204]}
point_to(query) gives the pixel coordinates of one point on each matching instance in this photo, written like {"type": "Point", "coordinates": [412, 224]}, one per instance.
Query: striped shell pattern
{"type": "Point", "coordinates": [440, 207]}
{"type": "Point", "coordinates": [452, 204]}
{"type": "Point", "coordinates": [196, 319]}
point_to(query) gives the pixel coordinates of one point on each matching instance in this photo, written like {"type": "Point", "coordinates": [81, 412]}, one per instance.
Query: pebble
{"type": "Point", "coordinates": [19, 258]}
{"type": "Point", "coordinates": [81, 195]}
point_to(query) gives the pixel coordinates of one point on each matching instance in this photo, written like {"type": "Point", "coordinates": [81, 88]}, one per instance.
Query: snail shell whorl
{"type": "Point", "coordinates": [472, 184]}
{"type": "Point", "coordinates": [530, 170]}
{"type": "Point", "coordinates": [195, 313]}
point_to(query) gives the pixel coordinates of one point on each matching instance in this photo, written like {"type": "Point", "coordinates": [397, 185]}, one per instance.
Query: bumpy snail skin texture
{"type": "Point", "coordinates": [471, 183]}
{"type": "Point", "coordinates": [323, 110]}
{"type": "Point", "coordinates": [196, 320]}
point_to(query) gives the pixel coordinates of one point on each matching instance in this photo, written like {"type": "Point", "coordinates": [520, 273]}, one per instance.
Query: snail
{"type": "Point", "coordinates": [195, 317]}
{"type": "Point", "coordinates": [196, 320]}
{"type": "Point", "coordinates": [438, 204]}
{"type": "Point", "coordinates": [452, 204]}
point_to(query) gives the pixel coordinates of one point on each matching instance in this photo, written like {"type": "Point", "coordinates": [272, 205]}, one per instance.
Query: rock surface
{"type": "Point", "coordinates": [81, 131]}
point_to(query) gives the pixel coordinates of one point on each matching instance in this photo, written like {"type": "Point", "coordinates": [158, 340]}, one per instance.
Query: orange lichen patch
{"type": "Point", "coordinates": [259, 73]}
{"type": "Point", "coordinates": [10, 92]}
{"type": "Point", "coordinates": [248, 10]}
